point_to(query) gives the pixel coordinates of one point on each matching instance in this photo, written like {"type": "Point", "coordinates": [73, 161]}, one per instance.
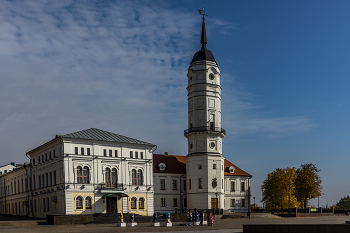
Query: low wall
{"type": "Point", "coordinates": [69, 219]}
{"type": "Point", "coordinates": [288, 228]}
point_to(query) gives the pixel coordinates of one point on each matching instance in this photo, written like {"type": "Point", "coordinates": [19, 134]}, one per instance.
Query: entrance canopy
{"type": "Point", "coordinates": [112, 193]}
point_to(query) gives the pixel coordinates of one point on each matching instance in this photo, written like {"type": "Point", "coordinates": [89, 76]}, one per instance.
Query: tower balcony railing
{"type": "Point", "coordinates": [205, 129]}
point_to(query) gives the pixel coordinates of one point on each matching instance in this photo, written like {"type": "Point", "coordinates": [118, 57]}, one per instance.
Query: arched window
{"type": "Point", "coordinates": [133, 203]}
{"type": "Point", "coordinates": [79, 202]}
{"type": "Point", "coordinates": [86, 174]}
{"type": "Point", "coordinates": [114, 177]}
{"type": "Point", "coordinates": [139, 177]}
{"type": "Point", "coordinates": [141, 203]}
{"type": "Point", "coordinates": [88, 203]}
{"type": "Point", "coordinates": [134, 181]}
{"type": "Point", "coordinates": [79, 175]}
{"type": "Point", "coordinates": [108, 177]}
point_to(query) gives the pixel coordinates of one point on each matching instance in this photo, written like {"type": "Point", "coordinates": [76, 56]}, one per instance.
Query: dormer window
{"type": "Point", "coordinates": [161, 166]}
{"type": "Point", "coordinates": [231, 170]}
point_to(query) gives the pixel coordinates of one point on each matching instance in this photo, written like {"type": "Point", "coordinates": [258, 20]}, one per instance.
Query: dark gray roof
{"type": "Point", "coordinates": [98, 134]}
{"type": "Point", "coordinates": [203, 54]}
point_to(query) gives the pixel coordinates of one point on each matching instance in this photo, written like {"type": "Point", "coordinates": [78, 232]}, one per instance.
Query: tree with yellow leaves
{"type": "Point", "coordinates": [307, 183]}
{"type": "Point", "coordinates": [278, 189]}
{"type": "Point", "coordinates": [289, 187]}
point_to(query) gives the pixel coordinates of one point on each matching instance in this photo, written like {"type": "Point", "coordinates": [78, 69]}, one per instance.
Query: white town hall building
{"type": "Point", "coordinates": [96, 171]}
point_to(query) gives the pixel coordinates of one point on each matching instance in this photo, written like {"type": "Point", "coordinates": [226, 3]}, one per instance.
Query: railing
{"type": "Point", "coordinates": [205, 129]}
{"type": "Point", "coordinates": [112, 186]}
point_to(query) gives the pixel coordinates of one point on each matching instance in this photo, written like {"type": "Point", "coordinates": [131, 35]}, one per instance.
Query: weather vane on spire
{"type": "Point", "coordinates": [201, 12]}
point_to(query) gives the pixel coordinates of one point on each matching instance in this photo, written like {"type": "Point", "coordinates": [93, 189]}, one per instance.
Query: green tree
{"type": "Point", "coordinates": [307, 183]}
{"type": "Point", "coordinates": [344, 203]}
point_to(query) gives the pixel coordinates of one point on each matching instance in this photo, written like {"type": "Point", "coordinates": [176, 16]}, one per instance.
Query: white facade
{"type": "Point", "coordinates": [72, 175]}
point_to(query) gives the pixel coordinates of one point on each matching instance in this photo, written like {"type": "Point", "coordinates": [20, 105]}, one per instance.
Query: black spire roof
{"type": "Point", "coordinates": [204, 53]}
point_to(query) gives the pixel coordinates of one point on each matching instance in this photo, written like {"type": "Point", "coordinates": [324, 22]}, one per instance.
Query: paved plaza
{"type": "Point", "coordinates": [10, 224]}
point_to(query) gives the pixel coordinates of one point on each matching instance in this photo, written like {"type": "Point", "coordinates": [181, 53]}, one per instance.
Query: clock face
{"type": "Point", "coordinates": [211, 76]}
{"type": "Point", "coordinates": [212, 144]}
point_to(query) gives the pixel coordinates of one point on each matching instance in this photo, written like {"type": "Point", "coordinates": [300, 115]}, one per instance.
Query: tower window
{"type": "Point", "coordinates": [82, 151]}
{"type": "Point", "coordinates": [141, 155]}
{"type": "Point", "coordinates": [199, 166]}
{"type": "Point", "coordinates": [88, 151]}
{"type": "Point", "coordinates": [104, 152]}
{"type": "Point", "coordinates": [136, 155]}
{"type": "Point", "coordinates": [110, 153]}
{"type": "Point", "coordinates": [214, 166]}
{"type": "Point", "coordinates": [200, 183]}
{"type": "Point", "coordinates": [76, 150]}
{"type": "Point", "coordinates": [131, 154]}
{"type": "Point", "coordinates": [115, 153]}
{"type": "Point", "coordinates": [189, 184]}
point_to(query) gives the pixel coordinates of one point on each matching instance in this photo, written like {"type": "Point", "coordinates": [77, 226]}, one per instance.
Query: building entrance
{"type": "Point", "coordinates": [214, 203]}
{"type": "Point", "coordinates": [112, 206]}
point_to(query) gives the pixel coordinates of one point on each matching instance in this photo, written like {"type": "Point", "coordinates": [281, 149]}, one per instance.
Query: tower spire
{"type": "Point", "coordinates": [203, 34]}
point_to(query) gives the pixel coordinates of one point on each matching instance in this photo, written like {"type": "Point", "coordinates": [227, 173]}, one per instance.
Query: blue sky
{"type": "Point", "coordinates": [121, 66]}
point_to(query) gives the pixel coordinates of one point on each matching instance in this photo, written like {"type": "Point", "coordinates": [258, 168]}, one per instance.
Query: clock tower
{"type": "Point", "coordinates": [204, 162]}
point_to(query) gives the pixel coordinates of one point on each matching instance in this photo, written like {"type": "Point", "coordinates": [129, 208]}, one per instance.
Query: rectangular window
{"type": "Point", "coordinates": [162, 202]}
{"type": "Point", "coordinates": [162, 184]}
{"type": "Point", "coordinates": [232, 186]}
{"type": "Point", "coordinates": [19, 207]}
{"type": "Point", "coordinates": [42, 158]}
{"type": "Point", "coordinates": [82, 151]}
{"type": "Point", "coordinates": [189, 184]}
{"type": "Point", "coordinates": [43, 180]}
{"type": "Point", "coordinates": [46, 159]}
{"type": "Point", "coordinates": [233, 202]}
{"type": "Point", "coordinates": [54, 177]}
{"type": "Point", "coordinates": [131, 155]}
{"type": "Point", "coordinates": [76, 150]}
{"type": "Point", "coordinates": [50, 155]}
{"type": "Point", "coordinates": [44, 202]}
{"type": "Point", "coordinates": [243, 202]}
{"type": "Point", "coordinates": [39, 160]}
{"type": "Point", "coordinates": [174, 184]}
{"type": "Point", "coordinates": [200, 183]}
{"type": "Point", "coordinates": [115, 153]}
{"type": "Point", "coordinates": [136, 155]}
{"type": "Point", "coordinates": [54, 153]}
{"type": "Point", "coordinates": [47, 180]}
{"type": "Point", "coordinates": [110, 153]}
{"type": "Point", "coordinates": [34, 205]}
{"type": "Point", "coordinates": [141, 154]}
{"type": "Point", "coordinates": [48, 204]}
{"type": "Point", "coordinates": [214, 166]}
{"type": "Point", "coordinates": [104, 152]}
{"type": "Point", "coordinates": [174, 202]}
{"type": "Point", "coordinates": [242, 186]}
{"type": "Point", "coordinates": [34, 182]}
{"type": "Point", "coordinates": [199, 166]}
{"type": "Point", "coordinates": [39, 182]}
{"type": "Point", "coordinates": [33, 162]}
{"type": "Point", "coordinates": [185, 202]}
{"type": "Point", "coordinates": [88, 151]}
{"type": "Point", "coordinates": [50, 183]}
{"type": "Point", "coordinates": [185, 185]}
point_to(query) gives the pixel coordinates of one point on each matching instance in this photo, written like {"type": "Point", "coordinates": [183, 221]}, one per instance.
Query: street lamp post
{"type": "Point", "coordinates": [327, 203]}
